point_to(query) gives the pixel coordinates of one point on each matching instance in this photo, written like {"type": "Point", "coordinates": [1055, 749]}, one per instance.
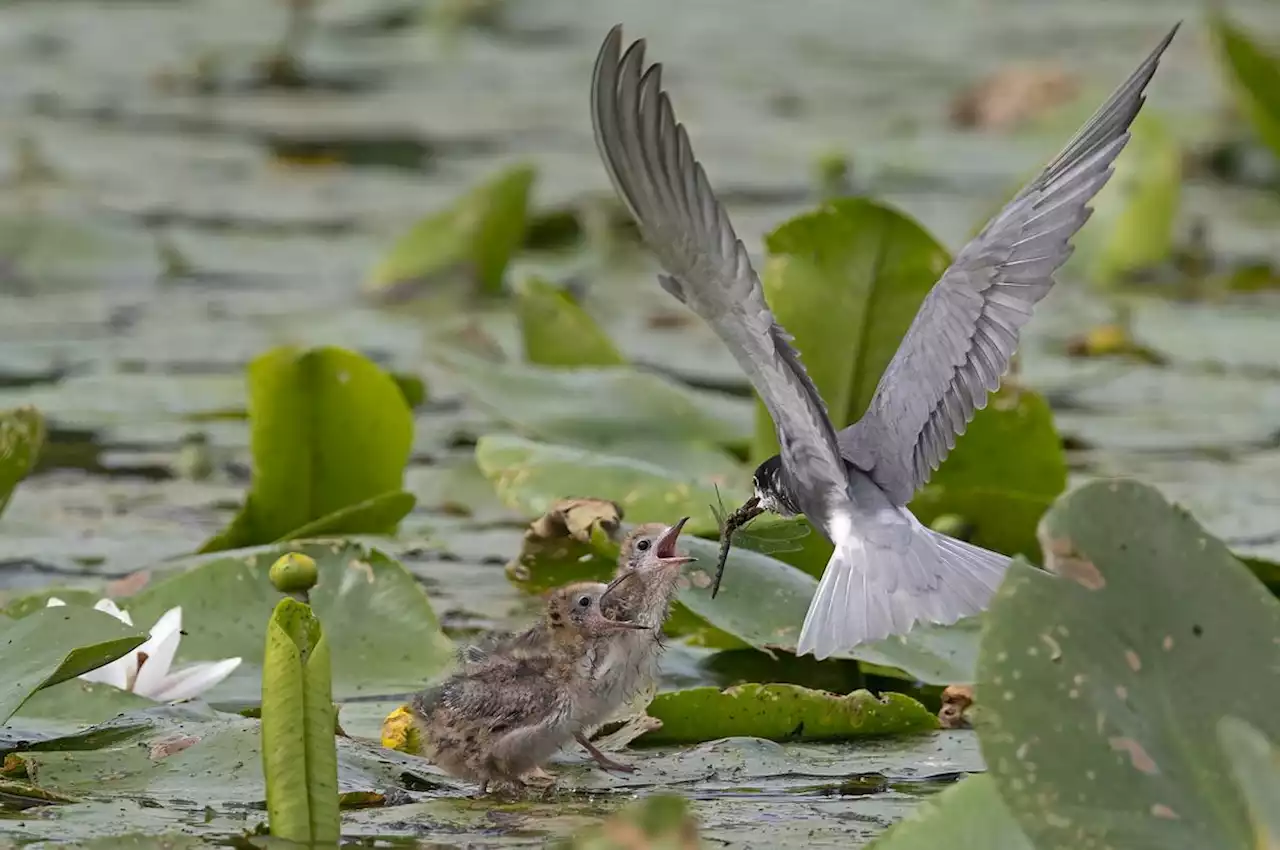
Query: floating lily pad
{"type": "Point", "coordinates": [661, 820]}
{"type": "Point", "coordinates": [475, 237]}
{"type": "Point", "coordinates": [846, 281]}
{"type": "Point", "coordinates": [56, 644]}
{"type": "Point", "coordinates": [1131, 228]}
{"type": "Point", "coordinates": [969, 814]}
{"type": "Point", "coordinates": [599, 407]}
{"type": "Point", "coordinates": [383, 634]}
{"type": "Point", "coordinates": [1254, 77]}
{"type": "Point", "coordinates": [330, 430]}
{"type": "Point", "coordinates": [782, 713]}
{"type": "Point", "coordinates": [21, 437]}
{"type": "Point", "coordinates": [1002, 475]}
{"type": "Point", "coordinates": [1099, 679]}
{"type": "Point", "coordinates": [556, 331]}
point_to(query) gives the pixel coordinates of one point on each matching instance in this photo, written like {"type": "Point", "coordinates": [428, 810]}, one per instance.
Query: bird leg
{"type": "Point", "coordinates": [601, 759]}
{"type": "Point", "coordinates": [743, 515]}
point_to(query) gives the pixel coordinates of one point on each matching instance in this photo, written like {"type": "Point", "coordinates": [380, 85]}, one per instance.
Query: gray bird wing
{"type": "Point", "coordinates": [652, 167]}
{"type": "Point", "coordinates": [959, 344]}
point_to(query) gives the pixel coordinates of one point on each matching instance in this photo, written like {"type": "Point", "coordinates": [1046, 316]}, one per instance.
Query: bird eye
{"type": "Point", "coordinates": [584, 601]}
{"type": "Point", "coordinates": [643, 545]}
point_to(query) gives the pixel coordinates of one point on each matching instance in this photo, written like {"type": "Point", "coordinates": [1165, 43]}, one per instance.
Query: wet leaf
{"type": "Point", "coordinates": [299, 759]}
{"type": "Point", "coordinates": [658, 822]}
{"type": "Point", "coordinates": [475, 237]}
{"type": "Point", "coordinates": [1131, 228]}
{"type": "Point", "coordinates": [1255, 766]}
{"type": "Point", "coordinates": [782, 713]}
{"type": "Point", "coordinates": [21, 438]}
{"type": "Point", "coordinates": [381, 511]}
{"type": "Point", "coordinates": [599, 407]}
{"type": "Point", "coordinates": [1098, 680]}
{"type": "Point", "coordinates": [557, 331]}
{"type": "Point", "coordinates": [1254, 76]}
{"type": "Point", "coordinates": [383, 634]}
{"type": "Point", "coordinates": [969, 814]}
{"type": "Point", "coordinates": [53, 645]}
{"type": "Point", "coordinates": [846, 281]}
{"type": "Point", "coordinates": [330, 430]}
{"type": "Point", "coordinates": [1002, 475]}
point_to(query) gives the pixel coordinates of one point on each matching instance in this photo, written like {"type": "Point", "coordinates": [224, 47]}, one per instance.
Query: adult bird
{"type": "Point", "coordinates": [887, 571]}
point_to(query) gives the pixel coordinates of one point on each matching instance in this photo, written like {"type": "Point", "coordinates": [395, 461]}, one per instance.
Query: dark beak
{"type": "Point", "coordinates": [666, 546]}
{"type": "Point", "coordinates": [616, 583]}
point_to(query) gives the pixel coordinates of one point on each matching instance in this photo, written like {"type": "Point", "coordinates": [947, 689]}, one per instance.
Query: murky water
{"type": "Point", "coordinates": [120, 356]}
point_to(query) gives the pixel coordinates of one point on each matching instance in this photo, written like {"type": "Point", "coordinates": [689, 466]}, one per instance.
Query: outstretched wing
{"type": "Point", "coordinates": [648, 158]}
{"type": "Point", "coordinates": [959, 344]}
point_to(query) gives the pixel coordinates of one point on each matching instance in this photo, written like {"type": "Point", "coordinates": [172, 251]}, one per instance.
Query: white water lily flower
{"type": "Point", "coordinates": [145, 670]}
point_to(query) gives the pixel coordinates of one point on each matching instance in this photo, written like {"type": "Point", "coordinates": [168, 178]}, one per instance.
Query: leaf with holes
{"type": "Point", "coordinates": [1100, 681]}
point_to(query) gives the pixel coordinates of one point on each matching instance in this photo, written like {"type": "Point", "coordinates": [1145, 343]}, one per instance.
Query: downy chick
{"type": "Point", "coordinates": [629, 666]}
{"type": "Point", "coordinates": [505, 714]}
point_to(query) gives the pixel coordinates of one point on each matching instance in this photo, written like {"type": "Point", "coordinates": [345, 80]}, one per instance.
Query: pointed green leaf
{"type": "Point", "coordinates": [384, 511]}
{"type": "Point", "coordinates": [21, 438]}
{"type": "Point", "coordinates": [1254, 77]}
{"type": "Point", "coordinates": [330, 430]}
{"type": "Point", "coordinates": [556, 331]}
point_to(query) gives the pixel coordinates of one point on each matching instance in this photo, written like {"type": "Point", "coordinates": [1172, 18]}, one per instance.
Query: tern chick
{"type": "Point", "coordinates": [508, 711]}
{"type": "Point", "coordinates": [887, 571]}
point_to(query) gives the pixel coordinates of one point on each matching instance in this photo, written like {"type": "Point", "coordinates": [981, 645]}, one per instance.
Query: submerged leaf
{"type": "Point", "coordinates": [1254, 76]}
{"type": "Point", "coordinates": [967, 815]}
{"type": "Point", "coordinates": [330, 430]}
{"type": "Point", "coordinates": [556, 331]}
{"type": "Point", "coordinates": [53, 645]}
{"type": "Point", "coordinates": [477, 237]}
{"type": "Point", "coordinates": [1099, 679]}
{"type": "Point", "coordinates": [782, 713]}
{"type": "Point", "coordinates": [21, 438]}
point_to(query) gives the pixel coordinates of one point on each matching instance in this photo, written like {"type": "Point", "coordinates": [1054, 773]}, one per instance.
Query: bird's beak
{"type": "Point", "coordinates": [604, 624]}
{"type": "Point", "coordinates": [616, 583]}
{"type": "Point", "coordinates": [666, 546]}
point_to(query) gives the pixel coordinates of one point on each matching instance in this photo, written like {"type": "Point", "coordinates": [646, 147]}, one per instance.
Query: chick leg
{"type": "Point", "coordinates": [601, 759]}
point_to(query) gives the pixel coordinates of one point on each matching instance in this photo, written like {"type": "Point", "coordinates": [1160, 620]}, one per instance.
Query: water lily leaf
{"type": "Point", "coordinates": [329, 430]}
{"type": "Point", "coordinates": [21, 437]}
{"type": "Point", "coordinates": [658, 822]}
{"type": "Point", "coordinates": [935, 655]}
{"type": "Point", "coordinates": [1254, 76]}
{"type": "Point", "coordinates": [1002, 475]}
{"type": "Point", "coordinates": [969, 814]}
{"type": "Point", "coordinates": [556, 331]}
{"type": "Point", "coordinates": [381, 511]}
{"type": "Point", "coordinates": [1255, 764]}
{"type": "Point", "coordinates": [1131, 228]}
{"type": "Point", "coordinates": [383, 634]}
{"type": "Point", "coordinates": [599, 407]}
{"type": "Point", "coordinates": [55, 249]}
{"type": "Point", "coordinates": [1090, 729]}
{"type": "Point", "coordinates": [477, 237]}
{"type": "Point", "coordinates": [532, 477]}
{"type": "Point", "coordinates": [846, 281]}
{"type": "Point", "coordinates": [56, 644]}
{"type": "Point", "coordinates": [782, 713]}
{"type": "Point", "coordinates": [299, 760]}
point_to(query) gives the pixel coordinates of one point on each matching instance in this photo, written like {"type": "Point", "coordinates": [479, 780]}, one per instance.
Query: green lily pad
{"type": "Point", "coordinates": [1099, 680]}
{"type": "Point", "coordinates": [846, 281]}
{"type": "Point", "coordinates": [969, 814]}
{"type": "Point", "coordinates": [1255, 764]}
{"type": "Point", "coordinates": [330, 430]}
{"type": "Point", "coordinates": [659, 821]}
{"type": "Point", "coordinates": [556, 331]}
{"type": "Point", "coordinates": [21, 437]}
{"type": "Point", "coordinates": [599, 406]}
{"type": "Point", "coordinates": [1254, 77]}
{"type": "Point", "coordinates": [383, 511]}
{"type": "Point", "coordinates": [383, 634]}
{"type": "Point", "coordinates": [782, 713]}
{"type": "Point", "coordinates": [476, 237]}
{"type": "Point", "coordinates": [55, 644]}
{"type": "Point", "coordinates": [1002, 475]}
{"type": "Point", "coordinates": [1132, 225]}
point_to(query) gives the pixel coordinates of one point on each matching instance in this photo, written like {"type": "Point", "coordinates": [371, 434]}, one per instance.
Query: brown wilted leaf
{"type": "Point", "coordinates": [1012, 96]}
{"type": "Point", "coordinates": [956, 700]}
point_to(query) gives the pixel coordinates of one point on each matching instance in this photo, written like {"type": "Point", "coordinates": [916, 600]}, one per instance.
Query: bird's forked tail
{"type": "Point", "coordinates": [870, 590]}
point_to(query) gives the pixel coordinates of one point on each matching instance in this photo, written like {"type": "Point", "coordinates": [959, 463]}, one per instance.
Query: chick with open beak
{"type": "Point", "coordinates": [628, 670]}
{"type": "Point", "coordinates": [508, 711]}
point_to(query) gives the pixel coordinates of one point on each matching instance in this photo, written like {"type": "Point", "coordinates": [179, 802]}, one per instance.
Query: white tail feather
{"type": "Point", "coordinates": [869, 592]}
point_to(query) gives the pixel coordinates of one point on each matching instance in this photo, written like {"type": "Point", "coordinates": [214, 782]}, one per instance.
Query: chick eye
{"type": "Point", "coordinates": [643, 545]}
{"type": "Point", "coordinates": [584, 601]}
